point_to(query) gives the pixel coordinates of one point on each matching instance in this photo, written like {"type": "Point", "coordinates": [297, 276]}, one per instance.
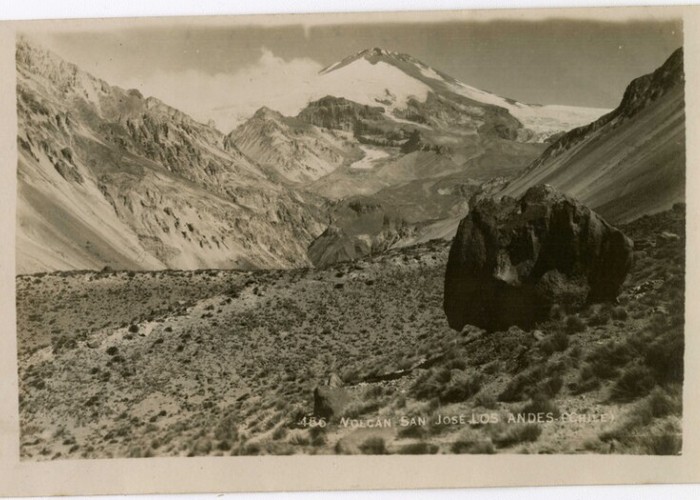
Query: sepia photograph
{"type": "Point", "coordinates": [358, 239]}
{"type": "Point", "coordinates": [350, 234]}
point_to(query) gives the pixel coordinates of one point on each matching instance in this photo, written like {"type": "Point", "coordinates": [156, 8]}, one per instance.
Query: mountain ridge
{"type": "Point", "coordinates": [631, 161]}
{"type": "Point", "coordinates": [108, 178]}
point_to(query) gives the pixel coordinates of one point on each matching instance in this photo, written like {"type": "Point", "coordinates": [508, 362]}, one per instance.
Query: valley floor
{"type": "Point", "coordinates": [124, 364]}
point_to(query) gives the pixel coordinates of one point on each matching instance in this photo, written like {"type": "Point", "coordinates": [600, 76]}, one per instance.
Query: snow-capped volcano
{"type": "Point", "coordinates": [379, 77]}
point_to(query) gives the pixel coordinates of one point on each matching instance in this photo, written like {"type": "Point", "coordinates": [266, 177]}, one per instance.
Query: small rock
{"type": "Point", "coordinates": [661, 310]}
{"type": "Point", "coordinates": [335, 381]}
{"type": "Point", "coordinates": [669, 236]}
{"type": "Point", "coordinates": [643, 243]}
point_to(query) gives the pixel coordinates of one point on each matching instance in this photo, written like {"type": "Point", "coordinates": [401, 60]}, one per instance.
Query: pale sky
{"type": "Point", "coordinates": [202, 69]}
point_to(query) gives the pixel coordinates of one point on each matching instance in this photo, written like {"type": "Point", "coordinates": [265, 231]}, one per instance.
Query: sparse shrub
{"type": "Point", "coordinates": [665, 443]}
{"type": "Point", "coordinates": [134, 328]}
{"type": "Point", "coordinates": [619, 313]}
{"type": "Point", "coordinates": [595, 445]}
{"type": "Point", "coordinates": [520, 385]}
{"type": "Point", "coordinates": [510, 435]}
{"type": "Point", "coordinates": [457, 364]}
{"type": "Point", "coordinates": [374, 445]}
{"type": "Point", "coordinates": [665, 356]}
{"type": "Point", "coordinates": [252, 448]}
{"type": "Point", "coordinates": [460, 388]}
{"type": "Point", "coordinates": [560, 341]}
{"type": "Point", "coordinates": [374, 392]}
{"type": "Point", "coordinates": [575, 353]}
{"type": "Point", "coordinates": [342, 448]}
{"type": "Point", "coordinates": [492, 367]}
{"type": "Point", "coordinates": [606, 359]}
{"type": "Point", "coordinates": [201, 446]}
{"type": "Point", "coordinates": [448, 386]}
{"type": "Point", "coordinates": [412, 431]}
{"type": "Point", "coordinates": [635, 381]}
{"type": "Point", "coordinates": [638, 433]}
{"type": "Point", "coordinates": [112, 350]}
{"type": "Point", "coordinates": [279, 448]}
{"type": "Point", "coordinates": [63, 343]}
{"type": "Point", "coordinates": [279, 433]}
{"type": "Point", "coordinates": [299, 439]}
{"type": "Point", "coordinates": [574, 324]}
{"type": "Point", "coordinates": [473, 446]}
{"type": "Point", "coordinates": [555, 343]}
{"type": "Point", "coordinates": [602, 317]}
{"type": "Point", "coordinates": [541, 404]}
{"type": "Point", "coordinates": [485, 400]}
{"type": "Point", "coordinates": [551, 386]}
{"type": "Point", "coordinates": [662, 403]}
{"type": "Point", "coordinates": [227, 429]}
{"type": "Point", "coordinates": [419, 448]}
{"type": "Point", "coordinates": [317, 435]}
{"type": "Point", "coordinates": [659, 323]}
{"type": "Point", "coordinates": [557, 312]}
{"type": "Point", "coordinates": [358, 408]}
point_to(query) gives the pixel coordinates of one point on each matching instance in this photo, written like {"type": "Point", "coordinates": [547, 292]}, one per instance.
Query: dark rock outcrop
{"type": "Point", "coordinates": [512, 260]}
{"type": "Point", "coordinates": [340, 113]}
{"type": "Point", "coordinates": [359, 227]}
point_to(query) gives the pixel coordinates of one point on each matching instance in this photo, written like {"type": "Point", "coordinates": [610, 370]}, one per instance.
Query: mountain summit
{"type": "Point", "coordinates": [377, 75]}
{"type": "Point", "coordinates": [373, 55]}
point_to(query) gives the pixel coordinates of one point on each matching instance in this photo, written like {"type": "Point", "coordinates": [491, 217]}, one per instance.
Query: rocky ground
{"type": "Point", "coordinates": [124, 364]}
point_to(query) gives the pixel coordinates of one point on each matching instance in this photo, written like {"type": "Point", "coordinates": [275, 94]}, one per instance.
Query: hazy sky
{"type": "Point", "coordinates": [198, 68]}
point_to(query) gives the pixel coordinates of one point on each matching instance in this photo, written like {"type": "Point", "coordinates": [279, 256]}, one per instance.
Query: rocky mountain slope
{"type": "Point", "coordinates": [358, 227]}
{"type": "Point", "coordinates": [629, 162]}
{"type": "Point", "coordinates": [292, 148]}
{"type": "Point", "coordinates": [107, 177]}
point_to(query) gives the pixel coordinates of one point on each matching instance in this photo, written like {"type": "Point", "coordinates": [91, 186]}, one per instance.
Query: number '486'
{"type": "Point", "coordinates": [312, 422]}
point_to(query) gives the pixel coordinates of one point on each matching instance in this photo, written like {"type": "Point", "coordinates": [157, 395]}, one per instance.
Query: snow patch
{"type": "Point", "coordinates": [542, 120]}
{"type": "Point", "coordinates": [371, 157]}
{"type": "Point", "coordinates": [365, 83]}
{"type": "Point", "coordinates": [429, 72]}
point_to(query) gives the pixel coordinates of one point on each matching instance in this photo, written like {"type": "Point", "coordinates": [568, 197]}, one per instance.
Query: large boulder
{"type": "Point", "coordinates": [512, 260]}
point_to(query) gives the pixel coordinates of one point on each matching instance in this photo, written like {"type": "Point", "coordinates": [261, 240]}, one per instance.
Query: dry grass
{"type": "Point", "coordinates": [225, 362]}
